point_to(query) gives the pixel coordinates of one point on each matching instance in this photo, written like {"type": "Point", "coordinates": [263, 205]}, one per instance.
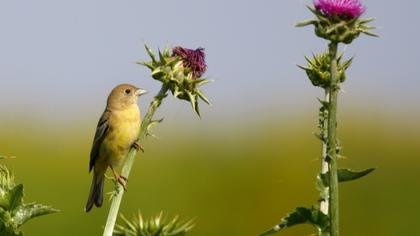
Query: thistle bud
{"type": "Point", "coordinates": [318, 69]}
{"type": "Point", "coordinates": [181, 70]}
{"type": "Point", "coordinates": [338, 20]}
{"type": "Point", "coordinates": [159, 225]}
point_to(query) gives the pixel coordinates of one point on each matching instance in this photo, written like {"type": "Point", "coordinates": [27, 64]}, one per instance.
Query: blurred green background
{"type": "Point", "coordinates": [237, 179]}
{"type": "Point", "coordinates": [252, 158]}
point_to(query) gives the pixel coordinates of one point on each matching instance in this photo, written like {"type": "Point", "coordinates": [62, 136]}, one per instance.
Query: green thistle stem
{"type": "Point", "coordinates": [131, 156]}
{"type": "Point", "coordinates": [333, 90]}
{"type": "Point", "coordinates": [324, 203]}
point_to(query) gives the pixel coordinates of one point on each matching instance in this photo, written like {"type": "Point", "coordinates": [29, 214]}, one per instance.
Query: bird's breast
{"type": "Point", "coordinates": [124, 130]}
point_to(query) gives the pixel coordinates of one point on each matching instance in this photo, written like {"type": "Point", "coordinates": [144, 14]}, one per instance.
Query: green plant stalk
{"type": "Point", "coordinates": [131, 156]}
{"type": "Point", "coordinates": [324, 160]}
{"type": "Point", "coordinates": [324, 203]}
{"type": "Point", "coordinates": [333, 90]}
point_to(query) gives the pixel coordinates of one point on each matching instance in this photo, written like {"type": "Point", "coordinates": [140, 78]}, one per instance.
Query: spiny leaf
{"type": "Point", "coordinates": [200, 82]}
{"type": "Point", "coordinates": [147, 64]}
{"type": "Point", "coordinates": [319, 136]}
{"type": "Point", "coordinates": [301, 216]}
{"type": "Point", "coordinates": [30, 211]}
{"type": "Point", "coordinates": [128, 224]}
{"type": "Point", "coordinates": [162, 58]}
{"type": "Point", "coordinates": [345, 175]}
{"type": "Point", "coordinates": [318, 59]}
{"type": "Point", "coordinates": [306, 23]}
{"type": "Point", "coordinates": [339, 57]}
{"type": "Point", "coordinates": [197, 108]}
{"type": "Point", "coordinates": [176, 92]}
{"type": "Point", "coordinates": [348, 63]}
{"type": "Point", "coordinates": [16, 197]}
{"type": "Point", "coordinates": [7, 226]}
{"type": "Point", "coordinates": [7, 181]}
{"type": "Point", "coordinates": [150, 52]}
{"type": "Point", "coordinates": [13, 211]}
{"type": "Point", "coordinates": [166, 52]}
{"type": "Point", "coordinates": [151, 125]}
{"type": "Point", "coordinates": [303, 67]}
{"type": "Point", "coordinates": [369, 27]}
{"type": "Point", "coordinates": [309, 60]}
{"type": "Point", "coordinates": [201, 95]}
{"type": "Point", "coordinates": [367, 20]}
{"type": "Point", "coordinates": [157, 71]}
{"type": "Point", "coordinates": [193, 101]}
{"type": "Point", "coordinates": [313, 10]}
{"type": "Point", "coordinates": [370, 33]}
{"type": "Point", "coordinates": [324, 103]}
{"type": "Point", "coordinates": [112, 194]}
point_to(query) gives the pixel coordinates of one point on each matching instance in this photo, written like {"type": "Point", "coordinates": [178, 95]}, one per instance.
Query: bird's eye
{"type": "Point", "coordinates": [127, 91]}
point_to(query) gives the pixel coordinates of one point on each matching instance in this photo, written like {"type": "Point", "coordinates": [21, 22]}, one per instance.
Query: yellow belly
{"type": "Point", "coordinates": [123, 132]}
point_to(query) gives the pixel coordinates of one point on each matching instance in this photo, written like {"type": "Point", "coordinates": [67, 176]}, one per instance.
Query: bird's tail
{"type": "Point", "coordinates": [96, 191]}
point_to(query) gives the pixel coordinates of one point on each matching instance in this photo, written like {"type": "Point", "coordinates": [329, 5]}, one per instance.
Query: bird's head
{"type": "Point", "coordinates": [124, 95]}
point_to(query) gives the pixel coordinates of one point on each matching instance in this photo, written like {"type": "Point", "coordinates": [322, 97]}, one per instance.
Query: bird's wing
{"type": "Point", "coordinates": [101, 132]}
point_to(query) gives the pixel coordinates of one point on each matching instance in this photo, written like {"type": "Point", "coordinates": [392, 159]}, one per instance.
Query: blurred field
{"type": "Point", "coordinates": [236, 179]}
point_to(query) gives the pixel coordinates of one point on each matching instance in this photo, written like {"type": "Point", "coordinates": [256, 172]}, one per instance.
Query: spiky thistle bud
{"type": "Point", "coordinates": [318, 69]}
{"type": "Point", "coordinates": [159, 225]}
{"type": "Point", "coordinates": [181, 70]}
{"type": "Point", "coordinates": [339, 20]}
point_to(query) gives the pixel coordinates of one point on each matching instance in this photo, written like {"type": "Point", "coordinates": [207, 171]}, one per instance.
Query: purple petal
{"type": "Point", "coordinates": [343, 8]}
{"type": "Point", "coordinates": [194, 59]}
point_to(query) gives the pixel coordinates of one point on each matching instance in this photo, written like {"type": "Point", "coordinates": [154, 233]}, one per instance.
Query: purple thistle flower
{"type": "Point", "coordinates": [342, 8]}
{"type": "Point", "coordinates": [193, 59]}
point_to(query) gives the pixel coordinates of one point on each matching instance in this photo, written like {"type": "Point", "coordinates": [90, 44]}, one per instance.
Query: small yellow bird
{"type": "Point", "coordinates": [117, 131]}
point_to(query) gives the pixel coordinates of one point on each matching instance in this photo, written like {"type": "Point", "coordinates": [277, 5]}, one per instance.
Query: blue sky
{"type": "Point", "coordinates": [61, 58]}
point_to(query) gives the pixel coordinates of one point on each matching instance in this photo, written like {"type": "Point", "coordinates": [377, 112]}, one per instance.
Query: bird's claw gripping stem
{"type": "Point", "coordinates": [120, 179]}
{"type": "Point", "coordinates": [123, 181]}
{"type": "Point", "coordinates": [138, 147]}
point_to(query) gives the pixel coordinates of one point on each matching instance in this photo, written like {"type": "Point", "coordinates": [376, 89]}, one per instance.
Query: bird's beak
{"type": "Point", "coordinates": [140, 92]}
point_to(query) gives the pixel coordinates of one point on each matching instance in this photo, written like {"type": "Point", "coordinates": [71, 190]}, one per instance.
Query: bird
{"type": "Point", "coordinates": [116, 132]}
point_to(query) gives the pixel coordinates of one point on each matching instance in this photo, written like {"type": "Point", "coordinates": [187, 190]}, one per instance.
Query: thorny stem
{"type": "Point", "coordinates": [333, 90]}
{"type": "Point", "coordinates": [128, 164]}
{"type": "Point", "coordinates": [324, 204]}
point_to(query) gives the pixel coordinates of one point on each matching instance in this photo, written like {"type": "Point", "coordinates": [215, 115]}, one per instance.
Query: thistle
{"type": "Point", "coordinates": [159, 225]}
{"type": "Point", "coordinates": [338, 22]}
{"type": "Point", "coordinates": [180, 70]}
{"type": "Point", "coordinates": [13, 211]}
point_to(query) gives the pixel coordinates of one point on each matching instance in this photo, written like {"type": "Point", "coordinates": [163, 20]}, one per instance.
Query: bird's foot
{"type": "Point", "coordinates": [123, 181]}
{"type": "Point", "coordinates": [124, 178]}
{"type": "Point", "coordinates": [138, 147]}
{"type": "Point", "coordinates": [120, 179]}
